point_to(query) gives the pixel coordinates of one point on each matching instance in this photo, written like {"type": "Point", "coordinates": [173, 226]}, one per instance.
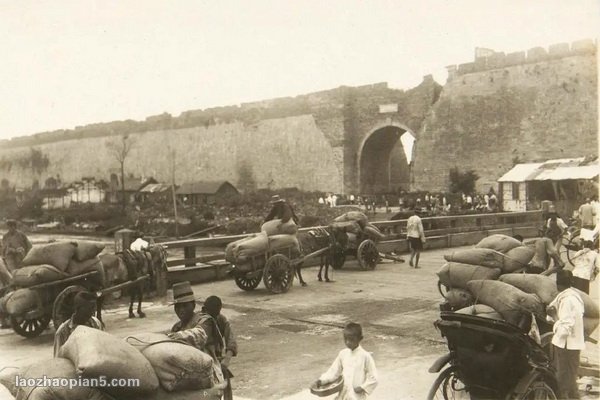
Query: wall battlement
{"type": "Point", "coordinates": [533, 55]}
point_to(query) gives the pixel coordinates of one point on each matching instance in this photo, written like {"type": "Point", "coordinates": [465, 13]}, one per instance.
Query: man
{"type": "Point", "coordinates": [554, 228]}
{"type": "Point", "coordinates": [280, 209]}
{"type": "Point", "coordinates": [544, 253]}
{"type": "Point", "coordinates": [586, 264]}
{"type": "Point", "coordinates": [15, 245]}
{"type": "Point", "coordinates": [85, 307]}
{"type": "Point", "coordinates": [568, 340]}
{"type": "Point", "coordinates": [189, 327]}
{"type": "Point", "coordinates": [416, 237]}
{"type": "Point", "coordinates": [586, 215]}
{"type": "Point", "coordinates": [139, 243]}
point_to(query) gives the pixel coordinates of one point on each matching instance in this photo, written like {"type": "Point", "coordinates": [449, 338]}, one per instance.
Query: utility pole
{"type": "Point", "coordinates": [173, 191]}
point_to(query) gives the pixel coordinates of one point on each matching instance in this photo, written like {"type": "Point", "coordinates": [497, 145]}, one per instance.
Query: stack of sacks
{"type": "Point", "coordinates": [55, 261]}
{"type": "Point", "coordinates": [7, 379]}
{"type": "Point", "coordinates": [495, 251]}
{"type": "Point", "coordinates": [241, 251]}
{"type": "Point", "coordinates": [177, 365]}
{"type": "Point", "coordinates": [56, 368]}
{"type": "Point", "coordinates": [95, 353]}
{"type": "Point", "coordinates": [354, 216]}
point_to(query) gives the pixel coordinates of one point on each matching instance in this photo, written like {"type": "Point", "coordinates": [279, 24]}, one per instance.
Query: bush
{"type": "Point", "coordinates": [462, 182]}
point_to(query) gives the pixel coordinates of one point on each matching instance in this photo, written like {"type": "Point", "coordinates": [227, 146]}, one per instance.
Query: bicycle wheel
{"type": "Point", "coordinates": [448, 386]}
{"type": "Point", "coordinates": [538, 390]}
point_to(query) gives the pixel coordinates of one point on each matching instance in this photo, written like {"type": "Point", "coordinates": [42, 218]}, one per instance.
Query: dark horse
{"type": "Point", "coordinates": [334, 240]}
{"type": "Point", "coordinates": [129, 266]}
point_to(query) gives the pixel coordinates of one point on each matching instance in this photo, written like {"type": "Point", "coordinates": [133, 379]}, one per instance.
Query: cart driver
{"type": "Point", "coordinates": [280, 209]}
{"type": "Point", "coordinates": [15, 245]}
{"type": "Point", "coordinates": [85, 307]}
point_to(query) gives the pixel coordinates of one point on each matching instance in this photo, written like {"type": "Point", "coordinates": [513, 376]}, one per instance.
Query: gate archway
{"type": "Point", "coordinates": [383, 160]}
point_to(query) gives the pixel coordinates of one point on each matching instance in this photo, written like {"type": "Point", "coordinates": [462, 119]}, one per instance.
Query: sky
{"type": "Point", "coordinates": [69, 63]}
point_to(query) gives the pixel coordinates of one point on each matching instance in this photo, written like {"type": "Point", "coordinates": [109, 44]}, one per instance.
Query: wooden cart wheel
{"type": "Point", "coordinates": [278, 274]}
{"type": "Point", "coordinates": [339, 257]}
{"type": "Point", "coordinates": [29, 327]}
{"type": "Point", "coordinates": [247, 284]}
{"type": "Point", "coordinates": [367, 254]}
{"type": "Point", "coordinates": [63, 304]}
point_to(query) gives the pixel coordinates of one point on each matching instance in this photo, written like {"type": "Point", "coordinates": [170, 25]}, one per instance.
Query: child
{"type": "Point", "coordinates": [356, 366]}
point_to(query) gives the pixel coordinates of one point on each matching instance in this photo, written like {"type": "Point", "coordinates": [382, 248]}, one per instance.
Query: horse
{"type": "Point", "coordinates": [317, 239]}
{"type": "Point", "coordinates": [129, 265]}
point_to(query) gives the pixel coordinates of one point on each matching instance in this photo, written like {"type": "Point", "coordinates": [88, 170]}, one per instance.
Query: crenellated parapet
{"type": "Point", "coordinates": [486, 60]}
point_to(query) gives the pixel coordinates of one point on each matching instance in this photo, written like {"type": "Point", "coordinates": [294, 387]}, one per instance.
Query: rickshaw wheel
{"type": "Point", "coordinates": [339, 258]}
{"type": "Point", "coordinates": [448, 386]}
{"type": "Point", "coordinates": [278, 274]}
{"type": "Point", "coordinates": [29, 328]}
{"type": "Point", "coordinates": [63, 304]}
{"type": "Point", "coordinates": [247, 284]}
{"type": "Point", "coordinates": [367, 254]}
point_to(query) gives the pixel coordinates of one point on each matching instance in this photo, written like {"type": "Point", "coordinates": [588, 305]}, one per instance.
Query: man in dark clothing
{"type": "Point", "coordinates": [281, 210]}
{"type": "Point", "coordinates": [15, 245]}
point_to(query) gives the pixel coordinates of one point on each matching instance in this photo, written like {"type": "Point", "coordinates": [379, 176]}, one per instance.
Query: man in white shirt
{"type": "Point", "coordinates": [416, 237]}
{"type": "Point", "coordinates": [586, 264]}
{"type": "Point", "coordinates": [139, 244]}
{"type": "Point", "coordinates": [568, 340]}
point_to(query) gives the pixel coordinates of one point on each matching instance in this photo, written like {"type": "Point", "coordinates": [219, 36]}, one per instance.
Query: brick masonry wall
{"type": "Point", "coordinates": [488, 119]}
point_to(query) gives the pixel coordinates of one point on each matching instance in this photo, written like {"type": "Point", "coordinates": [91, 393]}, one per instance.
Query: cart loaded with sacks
{"type": "Point", "coordinates": [43, 288]}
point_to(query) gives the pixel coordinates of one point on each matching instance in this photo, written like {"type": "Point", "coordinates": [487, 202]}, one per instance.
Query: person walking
{"type": "Point", "coordinates": [416, 237]}
{"type": "Point", "coordinates": [586, 215]}
{"type": "Point", "coordinates": [15, 246]}
{"type": "Point", "coordinates": [586, 265]}
{"type": "Point", "coordinates": [566, 310]}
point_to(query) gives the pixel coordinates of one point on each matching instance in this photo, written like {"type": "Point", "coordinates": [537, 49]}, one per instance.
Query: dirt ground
{"type": "Point", "coordinates": [286, 341]}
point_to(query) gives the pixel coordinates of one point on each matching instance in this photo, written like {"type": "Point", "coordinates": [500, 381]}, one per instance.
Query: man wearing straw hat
{"type": "Point", "coordinates": [280, 209]}
{"type": "Point", "coordinates": [189, 327]}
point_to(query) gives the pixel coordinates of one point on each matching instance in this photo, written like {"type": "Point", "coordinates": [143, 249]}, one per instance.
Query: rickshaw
{"type": "Point", "coordinates": [490, 359]}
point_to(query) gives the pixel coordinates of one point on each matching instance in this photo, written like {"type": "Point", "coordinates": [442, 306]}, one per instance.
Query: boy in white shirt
{"type": "Point", "coordinates": [356, 366]}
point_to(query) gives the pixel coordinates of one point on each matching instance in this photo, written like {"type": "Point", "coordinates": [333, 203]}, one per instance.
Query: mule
{"type": "Point", "coordinates": [317, 239]}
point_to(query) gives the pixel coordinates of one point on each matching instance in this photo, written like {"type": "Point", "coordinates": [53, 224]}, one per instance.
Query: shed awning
{"type": "Point", "coordinates": [521, 173]}
{"type": "Point", "coordinates": [564, 173]}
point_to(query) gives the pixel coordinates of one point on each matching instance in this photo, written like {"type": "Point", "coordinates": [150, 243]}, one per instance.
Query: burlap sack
{"type": "Point", "coordinates": [481, 310]}
{"type": "Point", "coordinates": [501, 243]}
{"type": "Point", "coordinates": [456, 275]}
{"type": "Point", "coordinates": [540, 285]}
{"type": "Point", "coordinates": [590, 306]}
{"type": "Point", "coordinates": [356, 216]}
{"type": "Point", "coordinates": [178, 366]}
{"type": "Point", "coordinates": [92, 264]}
{"type": "Point", "coordinates": [518, 258]}
{"type": "Point", "coordinates": [276, 227]}
{"type": "Point", "coordinates": [478, 256]}
{"type": "Point", "coordinates": [506, 299]}
{"type": "Point", "coordinates": [96, 353]}
{"type": "Point", "coordinates": [590, 325]}
{"type": "Point", "coordinates": [372, 232]}
{"type": "Point", "coordinates": [7, 378]}
{"type": "Point", "coordinates": [57, 254]}
{"type": "Point", "coordinates": [35, 274]}
{"type": "Point", "coordinates": [20, 301]}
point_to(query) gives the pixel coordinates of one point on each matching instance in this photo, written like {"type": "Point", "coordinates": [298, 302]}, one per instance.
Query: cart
{"type": "Point", "coordinates": [275, 268]}
{"type": "Point", "coordinates": [364, 249]}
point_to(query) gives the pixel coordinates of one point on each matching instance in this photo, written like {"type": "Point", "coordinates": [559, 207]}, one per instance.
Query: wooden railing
{"type": "Point", "coordinates": [211, 249]}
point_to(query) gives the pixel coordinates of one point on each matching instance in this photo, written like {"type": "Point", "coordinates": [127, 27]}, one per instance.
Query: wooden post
{"type": "Point", "coordinates": [173, 192]}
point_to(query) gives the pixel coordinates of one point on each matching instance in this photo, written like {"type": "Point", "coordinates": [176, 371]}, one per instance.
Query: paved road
{"type": "Point", "coordinates": [287, 341]}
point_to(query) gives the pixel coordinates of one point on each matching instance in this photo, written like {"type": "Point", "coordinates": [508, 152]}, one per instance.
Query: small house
{"type": "Point", "coordinates": [155, 192]}
{"type": "Point", "coordinates": [133, 185]}
{"type": "Point", "coordinates": [565, 182]}
{"type": "Point", "coordinates": [205, 192]}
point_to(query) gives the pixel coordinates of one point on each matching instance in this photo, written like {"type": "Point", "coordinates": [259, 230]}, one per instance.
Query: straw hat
{"type": "Point", "coordinates": [182, 293]}
{"type": "Point", "coordinates": [276, 199]}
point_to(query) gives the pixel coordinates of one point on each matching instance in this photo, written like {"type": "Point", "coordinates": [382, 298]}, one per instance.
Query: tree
{"type": "Point", "coordinates": [120, 149]}
{"type": "Point", "coordinates": [462, 182]}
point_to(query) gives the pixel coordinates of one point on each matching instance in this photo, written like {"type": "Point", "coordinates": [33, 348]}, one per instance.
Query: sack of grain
{"type": "Point", "coordinates": [86, 250]}
{"type": "Point", "coordinates": [481, 310]}
{"type": "Point", "coordinates": [278, 242]}
{"type": "Point", "coordinates": [7, 378]}
{"type": "Point", "coordinates": [373, 233]}
{"type": "Point", "coordinates": [276, 227]}
{"type": "Point", "coordinates": [540, 285]}
{"type": "Point", "coordinates": [57, 254]}
{"type": "Point", "coordinates": [5, 393]}
{"type": "Point", "coordinates": [506, 299]}
{"type": "Point", "coordinates": [251, 247]}
{"type": "Point", "coordinates": [20, 301]}
{"type": "Point", "coordinates": [96, 353]}
{"type": "Point", "coordinates": [347, 226]}
{"type": "Point", "coordinates": [459, 298]}
{"type": "Point", "coordinates": [356, 216]}
{"type": "Point", "coordinates": [478, 256]}
{"type": "Point", "coordinates": [178, 366]}
{"type": "Point", "coordinates": [590, 325]}
{"type": "Point", "coordinates": [29, 276]}
{"type": "Point", "coordinates": [501, 243]}
{"type": "Point", "coordinates": [518, 258]}
{"type": "Point", "coordinates": [56, 369]}
{"type": "Point", "coordinates": [456, 275]}
{"type": "Point", "coordinates": [589, 305]}
{"type": "Point", "coordinates": [90, 265]}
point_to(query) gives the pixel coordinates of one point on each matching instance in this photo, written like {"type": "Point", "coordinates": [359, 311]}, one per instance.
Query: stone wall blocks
{"type": "Point", "coordinates": [584, 46]}
{"type": "Point", "coordinates": [536, 54]}
{"type": "Point", "coordinates": [559, 49]}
